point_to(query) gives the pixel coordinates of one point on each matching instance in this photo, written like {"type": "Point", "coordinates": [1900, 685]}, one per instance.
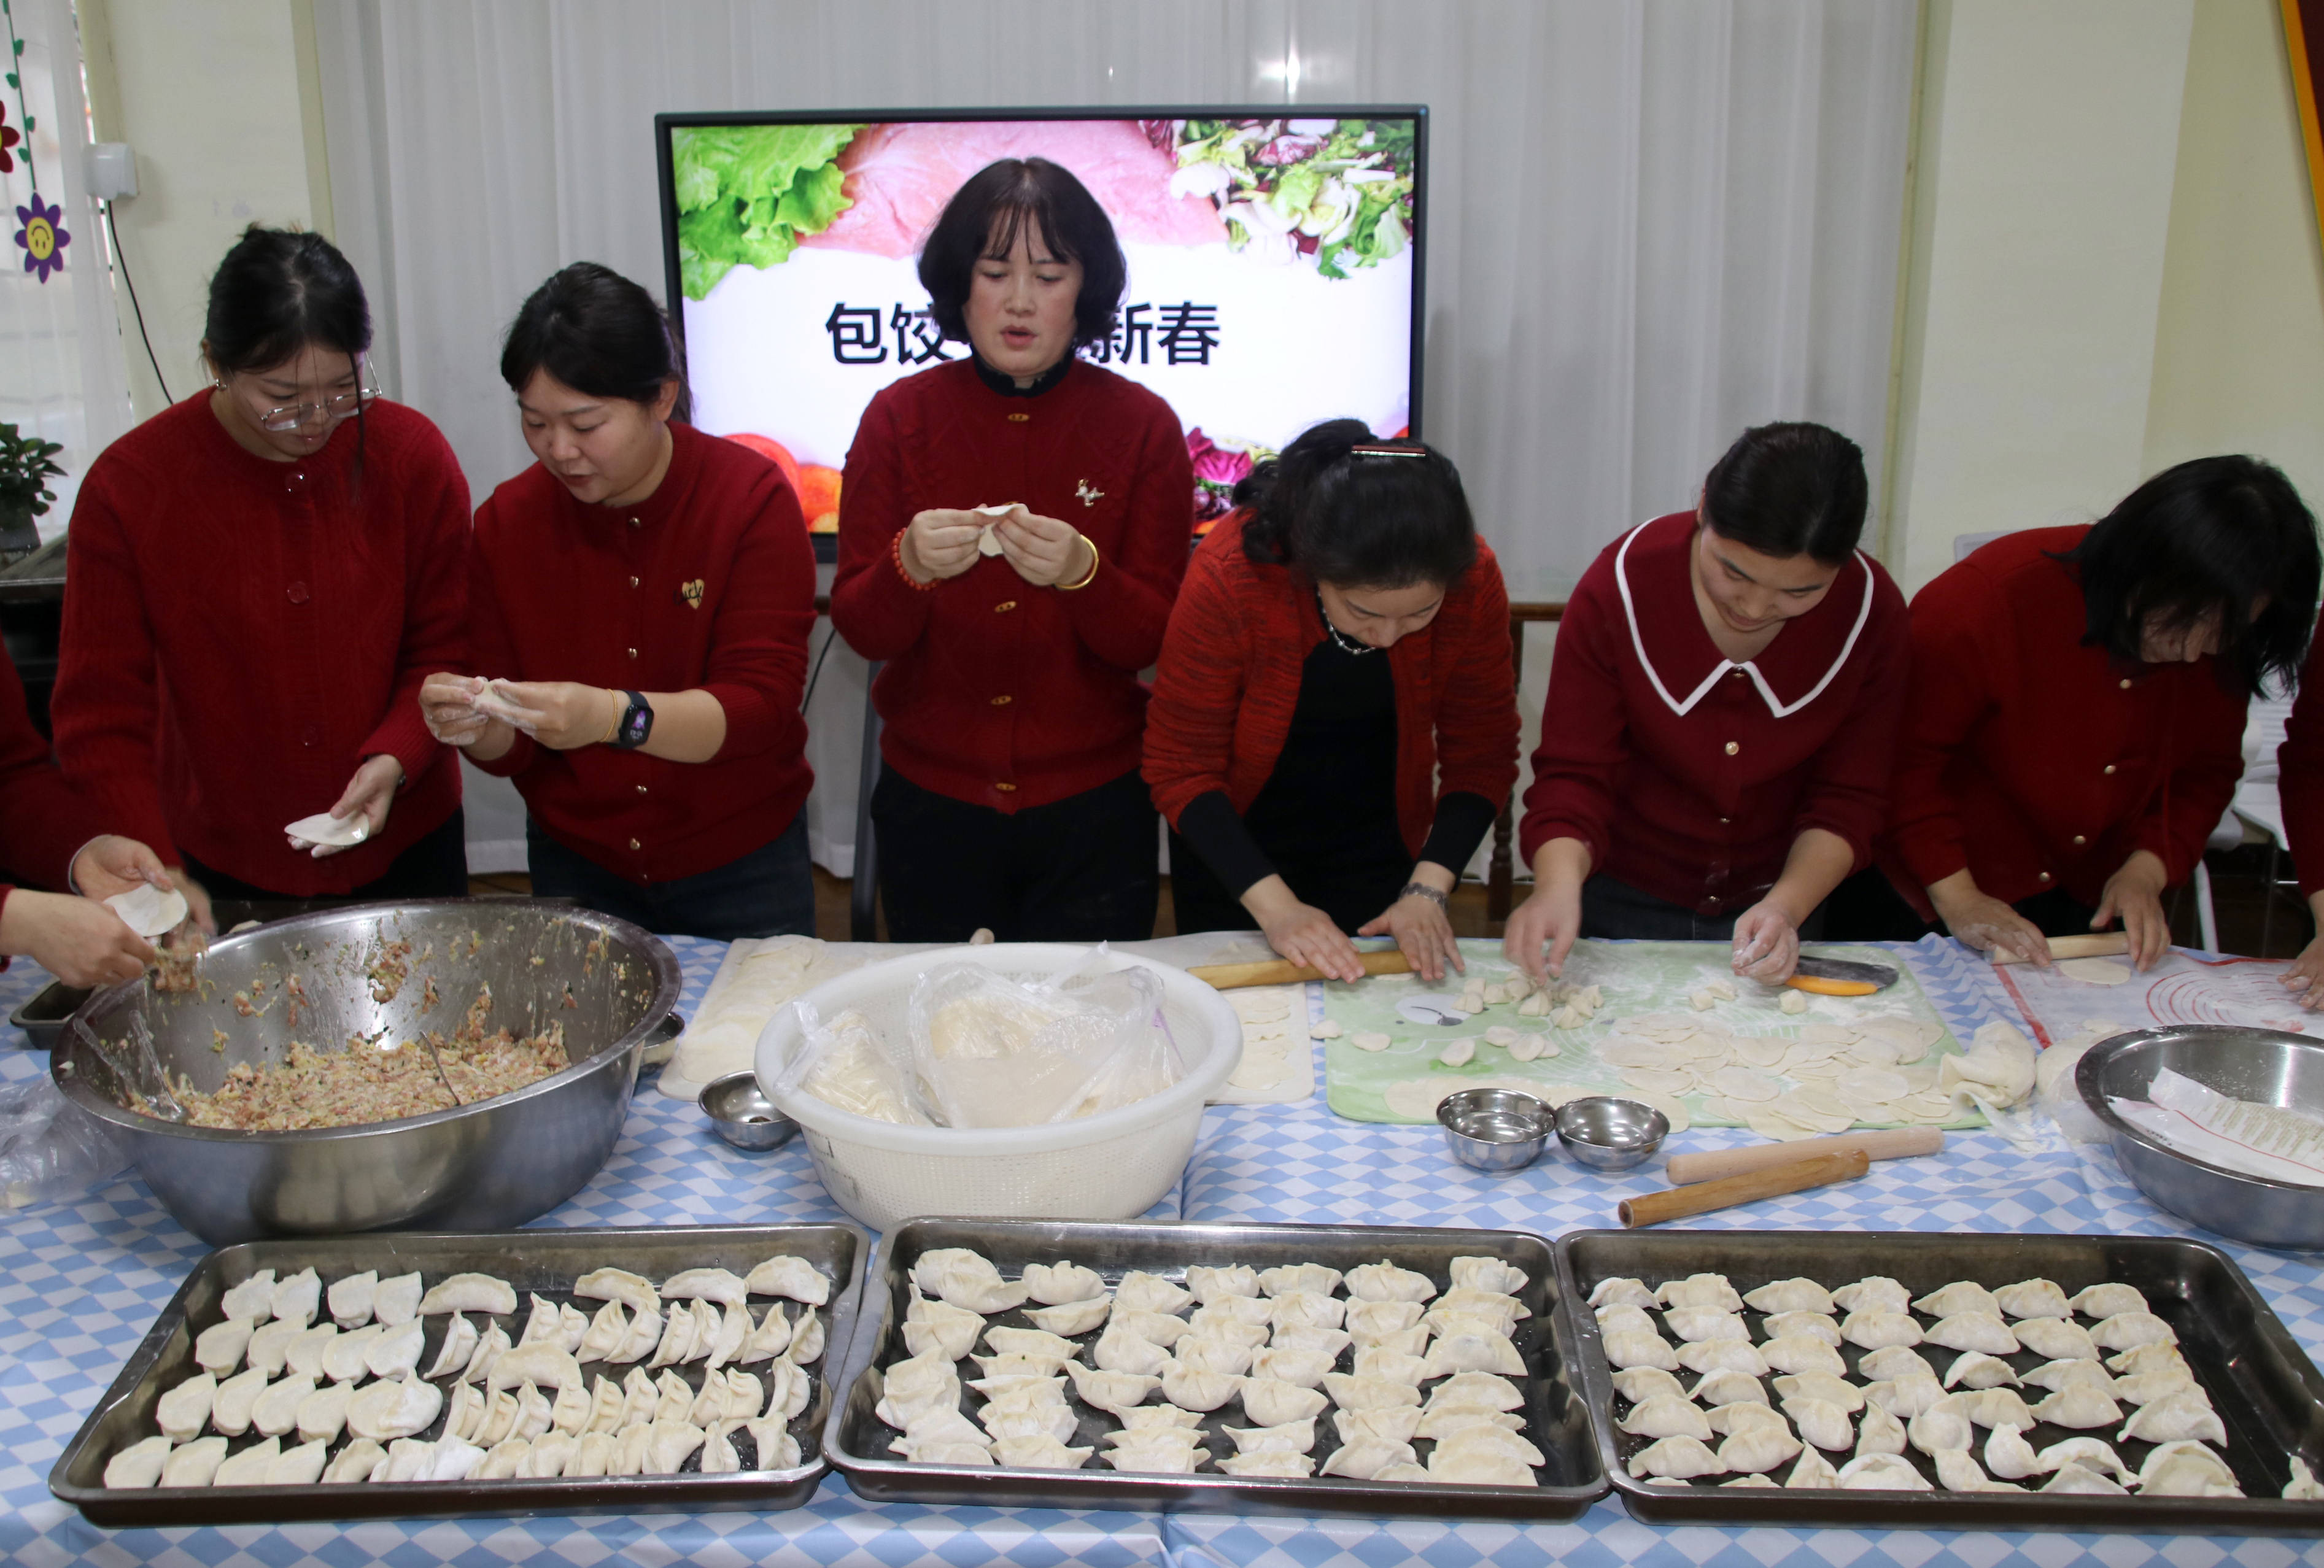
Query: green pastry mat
{"type": "Point", "coordinates": [1634, 977]}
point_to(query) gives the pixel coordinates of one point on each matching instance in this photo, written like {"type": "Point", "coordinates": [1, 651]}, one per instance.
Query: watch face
{"type": "Point", "coordinates": [636, 724]}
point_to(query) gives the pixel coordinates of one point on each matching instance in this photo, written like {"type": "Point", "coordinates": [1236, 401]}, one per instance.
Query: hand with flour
{"type": "Point", "coordinates": [1982, 921]}
{"type": "Point", "coordinates": [1299, 932]}
{"type": "Point", "coordinates": [1044, 551]}
{"type": "Point", "coordinates": [2135, 894]}
{"type": "Point", "coordinates": [1422, 925]}
{"type": "Point", "coordinates": [2305, 978]}
{"type": "Point", "coordinates": [1767, 943]}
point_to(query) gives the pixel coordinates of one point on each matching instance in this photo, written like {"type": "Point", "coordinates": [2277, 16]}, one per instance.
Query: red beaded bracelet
{"type": "Point", "coordinates": [896, 554]}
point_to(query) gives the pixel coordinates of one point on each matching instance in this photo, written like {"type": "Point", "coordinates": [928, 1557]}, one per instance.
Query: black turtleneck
{"type": "Point", "coordinates": [1006, 385]}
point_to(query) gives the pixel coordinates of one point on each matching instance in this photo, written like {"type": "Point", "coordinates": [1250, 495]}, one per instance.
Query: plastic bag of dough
{"type": "Point", "coordinates": [51, 1150]}
{"type": "Point", "coordinates": [1995, 1077]}
{"type": "Point", "coordinates": [991, 1051]}
{"type": "Point", "coordinates": [758, 978]}
{"type": "Point", "coordinates": [2053, 1084]}
{"type": "Point", "coordinates": [844, 1065]}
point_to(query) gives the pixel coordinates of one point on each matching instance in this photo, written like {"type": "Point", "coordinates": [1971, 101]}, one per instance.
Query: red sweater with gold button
{"type": "Point", "coordinates": [2036, 762]}
{"type": "Point", "coordinates": [996, 692]}
{"type": "Point", "coordinates": [1688, 776]}
{"type": "Point", "coordinates": [239, 634]}
{"type": "Point", "coordinates": [708, 584]}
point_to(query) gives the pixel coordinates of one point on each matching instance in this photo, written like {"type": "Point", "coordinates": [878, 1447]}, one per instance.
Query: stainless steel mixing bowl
{"type": "Point", "coordinates": [487, 1167]}
{"type": "Point", "coordinates": [2270, 1066]}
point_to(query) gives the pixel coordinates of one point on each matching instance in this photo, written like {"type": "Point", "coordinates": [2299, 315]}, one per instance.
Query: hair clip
{"type": "Point", "coordinates": [1381, 449]}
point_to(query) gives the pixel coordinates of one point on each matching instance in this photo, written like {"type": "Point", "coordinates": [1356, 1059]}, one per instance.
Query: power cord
{"type": "Point", "coordinates": [816, 673]}
{"type": "Point", "coordinates": [121, 260]}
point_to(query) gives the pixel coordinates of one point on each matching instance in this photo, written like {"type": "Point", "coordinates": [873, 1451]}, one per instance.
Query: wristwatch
{"type": "Point", "coordinates": [635, 725]}
{"type": "Point", "coordinates": [1424, 890]}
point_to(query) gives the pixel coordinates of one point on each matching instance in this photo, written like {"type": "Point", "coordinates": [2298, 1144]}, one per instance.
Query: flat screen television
{"type": "Point", "coordinates": [1275, 266]}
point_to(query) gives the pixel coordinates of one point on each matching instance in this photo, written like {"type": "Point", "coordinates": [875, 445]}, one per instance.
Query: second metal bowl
{"type": "Point", "coordinates": [1495, 1130]}
{"type": "Point", "coordinates": [1609, 1134]}
{"type": "Point", "coordinates": [741, 1113]}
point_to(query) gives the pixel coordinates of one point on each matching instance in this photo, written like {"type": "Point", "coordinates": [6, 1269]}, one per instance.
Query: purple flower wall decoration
{"type": "Point", "coordinates": [42, 238]}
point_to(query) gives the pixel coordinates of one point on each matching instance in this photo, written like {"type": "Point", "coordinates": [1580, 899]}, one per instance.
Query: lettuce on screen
{"type": "Point", "coordinates": [746, 193]}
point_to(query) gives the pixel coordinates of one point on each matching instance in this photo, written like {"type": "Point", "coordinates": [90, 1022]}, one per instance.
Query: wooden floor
{"type": "Point", "coordinates": [2253, 917]}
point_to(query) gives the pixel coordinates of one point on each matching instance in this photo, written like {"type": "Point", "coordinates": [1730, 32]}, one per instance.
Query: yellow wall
{"type": "Point", "coordinates": [209, 97]}
{"type": "Point", "coordinates": [2239, 350]}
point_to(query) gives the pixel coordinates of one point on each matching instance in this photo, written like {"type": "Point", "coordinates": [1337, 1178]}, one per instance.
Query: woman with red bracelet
{"type": "Point", "coordinates": [1334, 722]}
{"type": "Point", "coordinates": [1010, 796]}
{"type": "Point", "coordinates": [259, 580]}
{"type": "Point", "coordinates": [641, 599]}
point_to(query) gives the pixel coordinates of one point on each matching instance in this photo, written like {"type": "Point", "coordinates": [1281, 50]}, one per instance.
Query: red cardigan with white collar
{"type": "Point", "coordinates": [1688, 776]}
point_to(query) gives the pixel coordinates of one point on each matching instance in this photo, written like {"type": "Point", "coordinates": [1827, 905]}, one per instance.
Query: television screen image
{"type": "Point", "coordinates": [1274, 268]}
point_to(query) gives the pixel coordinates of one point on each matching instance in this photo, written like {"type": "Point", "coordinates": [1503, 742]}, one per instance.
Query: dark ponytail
{"type": "Point", "coordinates": [1356, 511]}
{"type": "Point", "coordinates": [1789, 490]}
{"type": "Point", "coordinates": [600, 334]}
{"type": "Point", "coordinates": [277, 291]}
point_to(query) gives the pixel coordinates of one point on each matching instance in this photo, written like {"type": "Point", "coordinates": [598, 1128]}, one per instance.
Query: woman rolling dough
{"type": "Point", "coordinates": [642, 597]}
{"type": "Point", "coordinates": [1008, 797]}
{"type": "Point", "coordinates": [1334, 720]}
{"type": "Point", "coordinates": [259, 580]}
{"type": "Point", "coordinates": [2076, 724]}
{"type": "Point", "coordinates": [1721, 718]}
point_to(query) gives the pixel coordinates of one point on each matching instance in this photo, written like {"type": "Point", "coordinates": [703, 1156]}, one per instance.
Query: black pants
{"type": "Point", "coordinates": [1616, 909]}
{"type": "Point", "coordinates": [768, 891]}
{"type": "Point", "coordinates": [436, 866]}
{"type": "Point", "coordinates": [1082, 869]}
{"type": "Point", "coordinates": [1868, 908]}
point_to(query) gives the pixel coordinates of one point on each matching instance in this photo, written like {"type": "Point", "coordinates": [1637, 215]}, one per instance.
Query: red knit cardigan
{"type": "Point", "coordinates": [1230, 666]}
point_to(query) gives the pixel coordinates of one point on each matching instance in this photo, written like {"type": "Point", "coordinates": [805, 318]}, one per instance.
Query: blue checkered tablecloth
{"type": "Point", "coordinates": [80, 1283]}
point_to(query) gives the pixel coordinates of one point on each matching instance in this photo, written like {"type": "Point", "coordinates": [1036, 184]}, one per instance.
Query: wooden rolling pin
{"type": "Point", "coordinates": [1702, 1197]}
{"type": "Point", "coordinates": [2097, 945]}
{"type": "Point", "coordinates": [1283, 971]}
{"type": "Point", "coordinates": [1711, 1165]}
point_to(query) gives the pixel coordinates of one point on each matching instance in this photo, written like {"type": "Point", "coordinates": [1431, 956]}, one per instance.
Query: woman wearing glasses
{"type": "Point", "coordinates": [1334, 720]}
{"type": "Point", "coordinates": [259, 579]}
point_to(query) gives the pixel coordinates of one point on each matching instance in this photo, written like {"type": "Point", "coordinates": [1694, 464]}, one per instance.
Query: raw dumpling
{"type": "Point", "coordinates": [1353, 1393]}
{"type": "Point", "coordinates": [1814, 1324]}
{"type": "Point", "coordinates": [1384, 1281]}
{"type": "Point", "coordinates": [2033, 1298]}
{"type": "Point", "coordinates": [1958, 1471]}
{"type": "Point", "coordinates": [1041, 1451]}
{"type": "Point", "coordinates": [1716, 1356]}
{"type": "Point", "coordinates": [471, 1293]}
{"type": "Point", "coordinates": [1274, 1463]}
{"type": "Point", "coordinates": [1757, 1449]}
{"type": "Point", "coordinates": [1143, 1292]}
{"type": "Point", "coordinates": [355, 1462]}
{"type": "Point", "coordinates": [1241, 1311]}
{"type": "Point", "coordinates": [1980, 1369]}
{"type": "Point", "coordinates": [1118, 1349]}
{"type": "Point", "coordinates": [2080, 1478]}
{"type": "Point", "coordinates": [1960, 1296]}
{"type": "Point", "coordinates": [1625, 1292]}
{"type": "Point", "coordinates": [1905, 1397]}
{"type": "Point", "coordinates": [1057, 1284]}
{"type": "Point", "coordinates": [2056, 1338]}
{"type": "Point", "coordinates": [1827, 1386]}
{"type": "Point", "coordinates": [137, 1465]}
{"type": "Point", "coordinates": [270, 1345]}
{"type": "Point", "coordinates": [1478, 1274]}
{"type": "Point", "coordinates": [218, 1349]}
{"type": "Point", "coordinates": [1710, 1290]}
{"type": "Point", "coordinates": [1478, 1390]}
{"type": "Point", "coordinates": [633, 1291]}
{"type": "Point", "coordinates": [1875, 1328]}
{"type": "Point", "coordinates": [1695, 1325]}
{"type": "Point", "coordinates": [1323, 1280]}
{"type": "Point", "coordinates": [1304, 1306]}
{"type": "Point", "coordinates": [396, 1302]}
{"type": "Point", "coordinates": [1882, 1472]}
{"type": "Point", "coordinates": [305, 1353]}
{"type": "Point", "coordinates": [252, 1300]}
{"type": "Point", "coordinates": [1975, 1331]}
{"type": "Point", "coordinates": [1197, 1387]}
{"type": "Point", "coordinates": [1435, 1423]}
{"type": "Point", "coordinates": [1875, 1293]}
{"type": "Point", "coordinates": [1618, 1319]}
{"type": "Point", "coordinates": [2008, 1455]}
{"type": "Point", "coordinates": [1110, 1391]}
{"type": "Point", "coordinates": [184, 1410]}
{"type": "Point", "coordinates": [1073, 1317]}
{"type": "Point", "coordinates": [2177, 1417]}
{"type": "Point", "coordinates": [1941, 1426]}
{"type": "Point", "coordinates": [2145, 1359]}
{"type": "Point", "coordinates": [231, 1407]}
{"type": "Point", "coordinates": [194, 1463]}
{"type": "Point", "coordinates": [2186, 1469]}
{"type": "Point", "coordinates": [1879, 1433]}
{"type": "Point", "coordinates": [1330, 1341]}
{"type": "Point", "coordinates": [1494, 1353]}
{"type": "Point", "coordinates": [2080, 1406]}
{"type": "Point", "coordinates": [2107, 1300]}
{"type": "Point", "coordinates": [1727, 1419]}
{"type": "Point", "coordinates": [1269, 1402]}
{"type": "Point", "coordinates": [807, 1337]}
{"type": "Point", "coordinates": [1727, 1387]}
{"type": "Point", "coordinates": [1303, 1368]}
{"type": "Point", "coordinates": [1789, 1295]}
{"type": "Point", "coordinates": [2056, 1375]}
{"type": "Point", "coordinates": [1995, 1407]}
{"type": "Point", "coordinates": [275, 1411]}
{"type": "Point", "coordinates": [1676, 1458]}
{"type": "Point", "coordinates": [2090, 1453]}
{"type": "Point", "coordinates": [1671, 1415]}
{"type": "Point", "coordinates": [1814, 1471]}
{"type": "Point", "coordinates": [1893, 1361]}
{"type": "Point", "coordinates": [2145, 1388]}
{"type": "Point", "coordinates": [1802, 1353]}
{"type": "Point", "coordinates": [1397, 1423]}
{"type": "Point", "coordinates": [1823, 1423]}
{"type": "Point", "coordinates": [388, 1410]}
{"type": "Point", "coordinates": [297, 1298]}
{"type": "Point", "coordinates": [1640, 1384]}
{"type": "Point", "coordinates": [1210, 1284]}
{"type": "Point", "coordinates": [1362, 1460]}
{"type": "Point", "coordinates": [1376, 1361]}
{"type": "Point", "coordinates": [2127, 1331]}
{"type": "Point", "coordinates": [785, 1274]}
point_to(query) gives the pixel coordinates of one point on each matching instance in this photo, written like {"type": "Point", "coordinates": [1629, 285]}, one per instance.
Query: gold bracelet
{"type": "Point", "coordinates": [620, 708]}
{"type": "Point", "coordinates": [1092, 574]}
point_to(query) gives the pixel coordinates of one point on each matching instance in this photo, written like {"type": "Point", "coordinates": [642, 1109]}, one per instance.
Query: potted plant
{"type": "Point", "coordinates": [27, 464]}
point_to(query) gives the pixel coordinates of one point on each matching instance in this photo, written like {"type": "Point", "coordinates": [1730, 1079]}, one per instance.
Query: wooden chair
{"type": "Point", "coordinates": [1500, 871]}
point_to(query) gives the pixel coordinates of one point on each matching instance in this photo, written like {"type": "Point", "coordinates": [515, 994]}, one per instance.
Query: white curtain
{"type": "Point", "coordinates": [1652, 223]}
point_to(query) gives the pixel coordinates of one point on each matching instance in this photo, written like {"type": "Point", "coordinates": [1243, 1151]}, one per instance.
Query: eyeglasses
{"type": "Point", "coordinates": [340, 406]}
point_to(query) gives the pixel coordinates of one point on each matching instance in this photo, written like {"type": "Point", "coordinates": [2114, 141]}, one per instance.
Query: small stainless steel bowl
{"type": "Point", "coordinates": [662, 1043]}
{"type": "Point", "coordinates": [1495, 1130]}
{"type": "Point", "coordinates": [1609, 1134]}
{"type": "Point", "coordinates": [2269, 1066]}
{"type": "Point", "coordinates": [743, 1114]}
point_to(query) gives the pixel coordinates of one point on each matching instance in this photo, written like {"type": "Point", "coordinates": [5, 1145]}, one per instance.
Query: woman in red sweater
{"type": "Point", "coordinates": [49, 836]}
{"type": "Point", "coordinates": [640, 602]}
{"type": "Point", "coordinates": [1334, 722]}
{"type": "Point", "coordinates": [2076, 724]}
{"type": "Point", "coordinates": [1010, 703]}
{"type": "Point", "coordinates": [1715, 753]}
{"type": "Point", "coordinates": [260, 578]}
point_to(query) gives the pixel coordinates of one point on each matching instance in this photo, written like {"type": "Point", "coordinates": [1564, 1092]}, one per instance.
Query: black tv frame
{"type": "Point", "coordinates": [674, 297]}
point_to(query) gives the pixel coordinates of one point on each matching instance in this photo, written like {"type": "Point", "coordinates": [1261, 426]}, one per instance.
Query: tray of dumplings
{"type": "Point", "coordinates": [527, 1372]}
{"type": "Point", "coordinates": [2104, 1382]}
{"type": "Point", "coordinates": [1300, 1369]}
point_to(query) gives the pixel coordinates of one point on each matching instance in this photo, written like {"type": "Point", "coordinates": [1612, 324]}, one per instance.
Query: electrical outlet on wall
{"type": "Point", "coordinates": [109, 169]}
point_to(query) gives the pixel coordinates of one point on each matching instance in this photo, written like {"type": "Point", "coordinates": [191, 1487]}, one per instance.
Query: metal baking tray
{"type": "Point", "coordinates": [547, 1261]}
{"type": "Point", "coordinates": [41, 1015]}
{"type": "Point", "coordinates": [2267, 1392]}
{"type": "Point", "coordinates": [857, 1441]}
